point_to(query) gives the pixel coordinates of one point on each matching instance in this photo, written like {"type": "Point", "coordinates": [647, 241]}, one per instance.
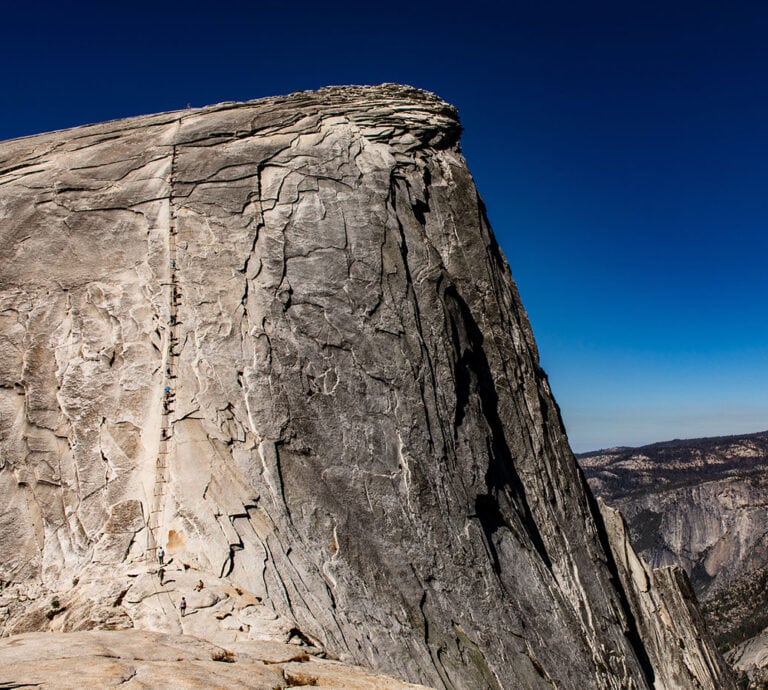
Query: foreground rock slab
{"type": "Point", "coordinates": [279, 340]}
{"type": "Point", "coordinates": [138, 659]}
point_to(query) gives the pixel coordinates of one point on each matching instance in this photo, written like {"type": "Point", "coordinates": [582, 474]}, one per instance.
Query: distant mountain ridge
{"type": "Point", "coordinates": [625, 471]}
{"type": "Point", "coordinates": [701, 503]}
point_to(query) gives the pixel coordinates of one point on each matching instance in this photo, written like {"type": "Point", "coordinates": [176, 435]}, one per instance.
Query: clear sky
{"type": "Point", "coordinates": [621, 149]}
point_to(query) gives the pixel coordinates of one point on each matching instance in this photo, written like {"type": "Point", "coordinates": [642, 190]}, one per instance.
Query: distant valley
{"type": "Point", "coordinates": [700, 503]}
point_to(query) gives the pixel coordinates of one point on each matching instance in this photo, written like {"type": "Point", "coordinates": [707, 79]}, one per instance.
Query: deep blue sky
{"type": "Point", "coordinates": [621, 148]}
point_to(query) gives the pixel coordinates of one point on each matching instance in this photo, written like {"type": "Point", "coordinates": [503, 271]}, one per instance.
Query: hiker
{"type": "Point", "coordinates": [199, 586]}
{"type": "Point", "coordinates": [183, 606]}
{"type": "Point", "coordinates": [160, 555]}
{"type": "Point", "coordinates": [161, 573]}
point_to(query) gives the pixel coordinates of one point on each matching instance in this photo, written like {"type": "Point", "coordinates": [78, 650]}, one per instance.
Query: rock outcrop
{"type": "Point", "coordinates": [665, 608]}
{"type": "Point", "coordinates": [750, 661]}
{"type": "Point", "coordinates": [279, 339]}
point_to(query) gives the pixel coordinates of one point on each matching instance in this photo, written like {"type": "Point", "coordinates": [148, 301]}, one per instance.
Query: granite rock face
{"type": "Point", "coordinates": [749, 660]}
{"type": "Point", "coordinates": [666, 611]}
{"type": "Point", "coordinates": [279, 339]}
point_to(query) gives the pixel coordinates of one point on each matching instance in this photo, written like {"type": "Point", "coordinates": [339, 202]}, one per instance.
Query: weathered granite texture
{"type": "Point", "coordinates": [133, 659]}
{"type": "Point", "coordinates": [357, 438]}
{"type": "Point", "coordinates": [665, 609]}
{"type": "Point", "coordinates": [750, 662]}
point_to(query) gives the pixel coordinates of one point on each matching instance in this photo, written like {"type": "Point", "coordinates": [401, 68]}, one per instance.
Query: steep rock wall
{"type": "Point", "coordinates": [356, 431]}
{"type": "Point", "coordinates": [664, 606]}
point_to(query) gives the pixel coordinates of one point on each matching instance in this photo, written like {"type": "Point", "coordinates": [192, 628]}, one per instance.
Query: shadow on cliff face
{"type": "Point", "coordinates": [472, 374]}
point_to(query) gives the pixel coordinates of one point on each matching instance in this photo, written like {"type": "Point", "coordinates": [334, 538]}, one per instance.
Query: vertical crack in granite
{"type": "Point", "coordinates": [413, 301]}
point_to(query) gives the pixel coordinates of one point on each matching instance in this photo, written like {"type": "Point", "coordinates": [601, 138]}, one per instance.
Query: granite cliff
{"type": "Point", "coordinates": [279, 339]}
{"type": "Point", "coordinates": [700, 504]}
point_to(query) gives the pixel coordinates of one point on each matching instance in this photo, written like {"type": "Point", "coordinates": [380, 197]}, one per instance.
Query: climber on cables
{"type": "Point", "coordinates": [160, 554]}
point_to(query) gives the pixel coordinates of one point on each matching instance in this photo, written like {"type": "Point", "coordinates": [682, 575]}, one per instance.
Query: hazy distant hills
{"type": "Point", "coordinates": [701, 503]}
{"type": "Point", "coordinates": [624, 472]}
